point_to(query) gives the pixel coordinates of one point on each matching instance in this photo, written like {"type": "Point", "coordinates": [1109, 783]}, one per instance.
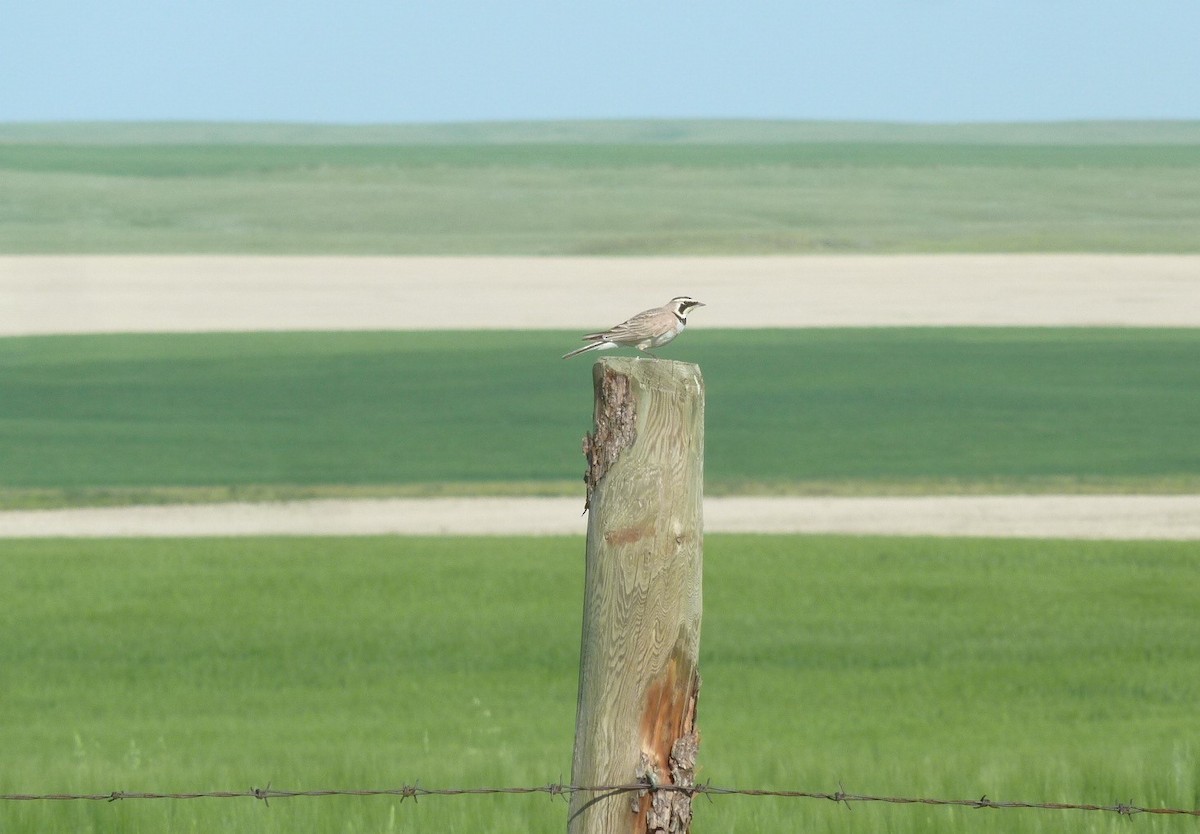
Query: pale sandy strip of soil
{"type": "Point", "coordinates": [102, 294]}
{"type": "Point", "coordinates": [1068, 516]}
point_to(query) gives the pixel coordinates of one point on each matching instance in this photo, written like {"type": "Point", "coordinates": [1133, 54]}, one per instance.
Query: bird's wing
{"type": "Point", "coordinates": [640, 326]}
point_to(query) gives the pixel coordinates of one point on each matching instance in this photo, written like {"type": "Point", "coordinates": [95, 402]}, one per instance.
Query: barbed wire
{"type": "Point", "coordinates": [415, 792]}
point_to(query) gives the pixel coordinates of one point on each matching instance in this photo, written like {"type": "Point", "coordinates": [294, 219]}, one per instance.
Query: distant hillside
{"type": "Point", "coordinates": [600, 188]}
{"type": "Point", "coordinates": [646, 131]}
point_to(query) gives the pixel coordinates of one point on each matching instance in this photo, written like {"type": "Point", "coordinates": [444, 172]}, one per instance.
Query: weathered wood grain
{"type": "Point", "coordinates": [638, 679]}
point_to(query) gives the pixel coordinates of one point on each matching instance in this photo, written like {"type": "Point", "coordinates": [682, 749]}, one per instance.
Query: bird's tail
{"type": "Point", "coordinates": [593, 346]}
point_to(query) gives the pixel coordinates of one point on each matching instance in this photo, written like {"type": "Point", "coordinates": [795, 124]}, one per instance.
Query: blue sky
{"type": "Point", "coordinates": [358, 61]}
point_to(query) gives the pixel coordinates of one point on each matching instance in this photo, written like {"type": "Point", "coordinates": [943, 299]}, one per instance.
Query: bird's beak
{"type": "Point", "coordinates": [699, 304]}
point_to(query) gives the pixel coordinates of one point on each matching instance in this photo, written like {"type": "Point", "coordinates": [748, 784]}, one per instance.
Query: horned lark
{"type": "Point", "coordinates": [648, 329]}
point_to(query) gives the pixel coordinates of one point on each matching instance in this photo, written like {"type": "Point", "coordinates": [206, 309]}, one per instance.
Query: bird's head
{"type": "Point", "coordinates": [682, 305]}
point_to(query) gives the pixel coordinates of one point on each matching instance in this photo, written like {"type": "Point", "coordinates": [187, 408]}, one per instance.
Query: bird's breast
{"type": "Point", "coordinates": [666, 336]}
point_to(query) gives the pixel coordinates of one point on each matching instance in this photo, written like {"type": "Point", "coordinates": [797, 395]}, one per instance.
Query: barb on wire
{"type": "Point", "coordinates": [414, 791]}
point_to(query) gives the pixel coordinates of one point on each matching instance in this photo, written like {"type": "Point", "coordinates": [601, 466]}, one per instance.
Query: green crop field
{"type": "Point", "coordinates": [600, 189]}
{"type": "Point", "coordinates": [1023, 670]}
{"type": "Point", "coordinates": [113, 419]}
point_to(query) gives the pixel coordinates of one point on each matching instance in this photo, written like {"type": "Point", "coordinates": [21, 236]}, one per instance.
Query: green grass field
{"type": "Point", "coordinates": [600, 189]}
{"type": "Point", "coordinates": [100, 419]}
{"type": "Point", "coordinates": [1026, 670]}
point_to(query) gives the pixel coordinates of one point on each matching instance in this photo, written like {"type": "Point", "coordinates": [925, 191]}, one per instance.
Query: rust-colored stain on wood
{"type": "Point", "coordinates": [669, 747]}
{"type": "Point", "coordinates": [629, 535]}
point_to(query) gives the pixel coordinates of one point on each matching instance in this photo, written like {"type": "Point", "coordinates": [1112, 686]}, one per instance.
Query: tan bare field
{"type": "Point", "coordinates": [1034, 516]}
{"type": "Point", "coordinates": [107, 294]}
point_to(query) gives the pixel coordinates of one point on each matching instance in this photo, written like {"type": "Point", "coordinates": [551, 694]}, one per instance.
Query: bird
{"type": "Point", "coordinates": [648, 329]}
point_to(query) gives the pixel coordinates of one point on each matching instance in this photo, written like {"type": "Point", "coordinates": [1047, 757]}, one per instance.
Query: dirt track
{"type": "Point", "coordinates": [1044, 516]}
{"type": "Point", "coordinates": [47, 295]}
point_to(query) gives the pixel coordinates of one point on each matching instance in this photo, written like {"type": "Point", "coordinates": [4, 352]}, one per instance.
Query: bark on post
{"type": "Point", "coordinates": [638, 675]}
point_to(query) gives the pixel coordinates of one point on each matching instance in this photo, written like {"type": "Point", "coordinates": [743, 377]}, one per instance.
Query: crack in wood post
{"type": "Point", "coordinates": [615, 426]}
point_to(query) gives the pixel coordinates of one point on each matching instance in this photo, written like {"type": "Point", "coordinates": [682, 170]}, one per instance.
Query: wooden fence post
{"type": "Point", "coordinates": [638, 673]}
